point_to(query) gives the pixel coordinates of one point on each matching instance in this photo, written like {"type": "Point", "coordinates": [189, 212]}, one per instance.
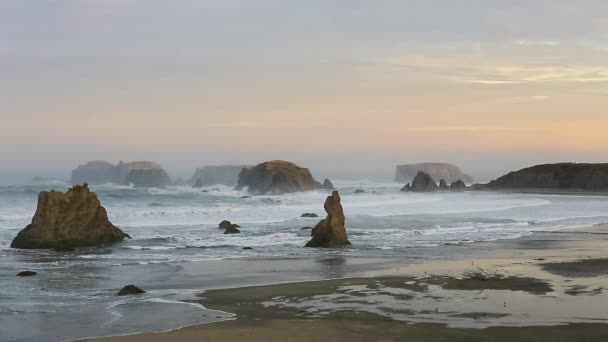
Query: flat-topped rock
{"type": "Point", "coordinates": [139, 173]}
{"type": "Point", "coordinates": [330, 232]}
{"type": "Point", "coordinates": [66, 220]}
{"type": "Point", "coordinates": [95, 172]}
{"type": "Point", "coordinates": [275, 178]}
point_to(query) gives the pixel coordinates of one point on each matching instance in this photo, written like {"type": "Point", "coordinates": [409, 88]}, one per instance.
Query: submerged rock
{"type": "Point", "coordinates": [309, 215]}
{"type": "Point", "coordinates": [422, 183]}
{"type": "Point", "coordinates": [331, 231]}
{"type": "Point", "coordinates": [67, 220]}
{"type": "Point", "coordinates": [130, 290]}
{"type": "Point", "coordinates": [275, 178]}
{"type": "Point", "coordinates": [26, 273]}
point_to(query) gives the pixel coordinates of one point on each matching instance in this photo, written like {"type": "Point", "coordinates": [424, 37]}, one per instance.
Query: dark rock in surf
{"type": "Point", "coordinates": [130, 290]}
{"type": "Point", "coordinates": [229, 227]}
{"type": "Point", "coordinates": [458, 186]}
{"type": "Point", "coordinates": [331, 231]}
{"type": "Point", "coordinates": [309, 215]}
{"type": "Point", "coordinates": [67, 220]}
{"type": "Point", "coordinates": [26, 274]}
{"type": "Point", "coordinates": [359, 191]}
{"type": "Point", "coordinates": [422, 183]}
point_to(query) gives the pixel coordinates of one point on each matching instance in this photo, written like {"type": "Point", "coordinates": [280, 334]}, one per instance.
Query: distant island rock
{"type": "Point", "coordinates": [275, 178]}
{"type": "Point", "coordinates": [326, 185]}
{"type": "Point", "coordinates": [561, 176]}
{"type": "Point", "coordinates": [448, 172]}
{"type": "Point", "coordinates": [67, 220]}
{"type": "Point", "coordinates": [140, 173]}
{"type": "Point", "coordinates": [330, 232]}
{"type": "Point", "coordinates": [217, 174]}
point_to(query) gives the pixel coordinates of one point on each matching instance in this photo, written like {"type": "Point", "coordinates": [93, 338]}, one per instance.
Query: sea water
{"type": "Point", "coordinates": [74, 294]}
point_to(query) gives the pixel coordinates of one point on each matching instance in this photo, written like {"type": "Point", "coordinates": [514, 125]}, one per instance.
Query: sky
{"type": "Point", "coordinates": [347, 88]}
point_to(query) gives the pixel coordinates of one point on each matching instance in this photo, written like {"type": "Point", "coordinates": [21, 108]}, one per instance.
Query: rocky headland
{"type": "Point", "coordinates": [448, 172]}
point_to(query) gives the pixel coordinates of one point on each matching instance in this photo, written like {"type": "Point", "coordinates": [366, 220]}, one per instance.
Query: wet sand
{"type": "Point", "coordinates": [546, 289]}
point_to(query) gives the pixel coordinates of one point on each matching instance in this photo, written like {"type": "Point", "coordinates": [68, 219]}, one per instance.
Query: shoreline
{"type": "Point", "coordinates": [269, 312]}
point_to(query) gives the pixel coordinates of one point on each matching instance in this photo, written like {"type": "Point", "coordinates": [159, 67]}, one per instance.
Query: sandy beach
{"type": "Point", "coordinates": [551, 287]}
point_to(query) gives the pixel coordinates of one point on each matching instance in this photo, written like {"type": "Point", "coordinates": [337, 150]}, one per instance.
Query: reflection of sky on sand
{"type": "Point", "coordinates": [415, 300]}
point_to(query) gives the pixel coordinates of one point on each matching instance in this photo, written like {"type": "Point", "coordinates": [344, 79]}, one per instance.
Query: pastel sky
{"type": "Point", "coordinates": [348, 88]}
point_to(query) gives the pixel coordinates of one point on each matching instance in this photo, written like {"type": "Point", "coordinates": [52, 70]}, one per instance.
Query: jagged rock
{"type": "Point", "coordinates": [326, 185]}
{"type": "Point", "coordinates": [422, 183]}
{"type": "Point", "coordinates": [359, 191]}
{"type": "Point", "coordinates": [130, 290]}
{"type": "Point", "coordinates": [407, 187]}
{"type": "Point", "coordinates": [218, 174]}
{"type": "Point", "coordinates": [450, 173]}
{"type": "Point", "coordinates": [458, 186]}
{"type": "Point", "coordinates": [26, 274]}
{"type": "Point", "coordinates": [95, 172]}
{"type": "Point", "coordinates": [275, 178]}
{"type": "Point", "coordinates": [229, 227]}
{"type": "Point", "coordinates": [331, 231]}
{"type": "Point", "coordinates": [309, 215]}
{"type": "Point", "coordinates": [67, 220]}
{"type": "Point", "coordinates": [562, 176]}
{"type": "Point", "coordinates": [443, 185]}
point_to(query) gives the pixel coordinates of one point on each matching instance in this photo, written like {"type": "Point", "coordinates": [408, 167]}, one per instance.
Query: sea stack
{"type": "Point", "coordinates": [67, 220]}
{"type": "Point", "coordinates": [331, 231]}
{"type": "Point", "coordinates": [275, 178]}
{"type": "Point", "coordinates": [423, 182]}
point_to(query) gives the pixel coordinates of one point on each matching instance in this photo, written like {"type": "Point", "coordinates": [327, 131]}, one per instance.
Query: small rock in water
{"type": "Point", "coordinates": [26, 274]}
{"type": "Point", "coordinates": [245, 196]}
{"type": "Point", "coordinates": [309, 215]}
{"type": "Point", "coordinates": [229, 227]}
{"type": "Point", "coordinates": [247, 248]}
{"type": "Point", "coordinates": [359, 191]}
{"type": "Point", "coordinates": [204, 190]}
{"type": "Point", "coordinates": [130, 290]}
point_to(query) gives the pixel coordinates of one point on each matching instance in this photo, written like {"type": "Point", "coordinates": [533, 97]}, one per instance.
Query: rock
{"type": "Point", "coordinates": [450, 173]}
{"type": "Point", "coordinates": [62, 249]}
{"type": "Point", "coordinates": [233, 229]}
{"type": "Point", "coordinates": [326, 185]}
{"type": "Point", "coordinates": [140, 173]}
{"type": "Point", "coordinates": [68, 220]}
{"type": "Point", "coordinates": [309, 215]}
{"type": "Point", "coordinates": [94, 172]}
{"type": "Point", "coordinates": [562, 176]}
{"type": "Point", "coordinates": [407, 187]}
{"type": "Point", "coordinates": [443, 185]}
{"type": "Point", "coordinates": [148, 178]}
{"type": "Point", "coordinates": [26, 274]}
{"type": "Point", "coordinates": [458, 186]}
{"type": "Point", "coordinates": [306, 228]}
{"type": "Point", "coordinates": [244, 197]}
{"type": "Point", "coordinates": [130, 290]}
{"type": "Point", "coordinates": [359, 191]}
{"type": "Point", "coordinates": [422, 183]}
{"type": "Point", "coordinates": [218, 174]}
{"type": "Point", "coordinates": [247, 248]}
{"type": "Point", "coordinates": [275, 178]}
{"type": "Point", "coordinates": [229, 227]}
{"type": "Point", "coordinates": [331, 231]}
{"type": "Point", "coordinates": [205, 191]}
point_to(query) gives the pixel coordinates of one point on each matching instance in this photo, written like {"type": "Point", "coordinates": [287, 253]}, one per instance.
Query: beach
{"type": "Point", "coordinates": [551, 287]}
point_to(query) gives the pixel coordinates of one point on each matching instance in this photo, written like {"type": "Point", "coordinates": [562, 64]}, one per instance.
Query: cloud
{"type": "Point", "coordinates": [525, 42]}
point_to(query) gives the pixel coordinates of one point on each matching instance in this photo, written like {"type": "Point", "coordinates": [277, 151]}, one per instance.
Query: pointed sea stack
{"type": "Point", "coordinates": [67, 220]}
{"type": "Point", "coordinates": [330, 232]}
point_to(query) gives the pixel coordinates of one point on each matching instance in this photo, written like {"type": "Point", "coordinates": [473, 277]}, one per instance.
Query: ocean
{"type": "Point", "coordinates": [176, 228]}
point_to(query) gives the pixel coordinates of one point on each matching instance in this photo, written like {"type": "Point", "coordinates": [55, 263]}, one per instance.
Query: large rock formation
{"type": "Point", "coordinates": [140, 173]}
{"type": "Point", "coordinates": [448, 172]}
{"type": "Point", "coordinates": [66, 220]}
{"type": "Point", "coordinates": [331, 231]}
{"type": "Point", "coordinates": [422, 183]}
{"type": "Point", "coordinates": [326, 185]}
{"type": "Point", "coordinates": [562, 176]}
{"type": "Point", "coordinates": [217, 174]}
{"type": "Point", "coordinates": [275, 178]}
{"type": "Point", "coordinates": [458, 186]}
{"type": "Point", "coordinates": [95, 172]}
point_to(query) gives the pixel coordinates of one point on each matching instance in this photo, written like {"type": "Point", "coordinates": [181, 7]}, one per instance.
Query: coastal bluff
{"type": "Point", "coordinates": [67, 220]}
{"type": "Point", "coordinates": [275, 178]}
{"type": "Point", "coordinates": [139, 173]}
{"type": "Point", "coordinates": [561, 176]}
{"type": "Point", "coordinates": [330, 232]}
{"type": "Point", "coordinates": [448, 172]}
